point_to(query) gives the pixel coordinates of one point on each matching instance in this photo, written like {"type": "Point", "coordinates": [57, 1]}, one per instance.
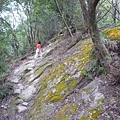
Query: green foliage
{"type": "Point", "coordinates": [88, 74]}
{"type": "Point", "coordinates": [42, 22]}
{"type": "Point", "coordinates": [94, 65]}
{"type": "Point", "coordinates": [102, 70]}
{"type": "Point", "coordinates": [95, 68]}
{"type": "Point", "coordinates": [4, 71]}
{"type": "Point", "coordinates": [107, 116]}
{"type": "Point", "coordinates": [4, 91]}
{"type": "Point", "coordinates": [106, 12]}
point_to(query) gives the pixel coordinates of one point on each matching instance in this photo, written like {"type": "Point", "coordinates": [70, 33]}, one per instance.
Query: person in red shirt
{"type": "Point", "coordinates": [38, 50]}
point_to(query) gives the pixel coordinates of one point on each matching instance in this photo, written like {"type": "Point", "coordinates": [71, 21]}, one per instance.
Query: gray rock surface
{"type": "Point", "coordinates": [28, 93]}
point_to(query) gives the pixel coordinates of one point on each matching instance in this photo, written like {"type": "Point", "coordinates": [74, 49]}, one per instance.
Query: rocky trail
{"type": "Point", "coordinates": [53, 88]}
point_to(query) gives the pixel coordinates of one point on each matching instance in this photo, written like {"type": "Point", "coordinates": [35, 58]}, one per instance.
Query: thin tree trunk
{"type": "Point", "coordinates": [94, 32]}
{"type": "Point", "coordinates": [99, 45]}
{"type": "Point", "coordinates": [63, 18]}
{"type": "Point", "coordinates": [1, 3]}
{"type": "Point", "coordinates": [84, 12]}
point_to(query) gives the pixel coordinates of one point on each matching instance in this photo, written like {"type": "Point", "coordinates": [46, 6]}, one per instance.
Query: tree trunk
{"type": "Point", "coordinates": [1, 3]}
{"type": "Point", "coordinates": [84, 12]}
{"type": "Point", "coordinates": [111, 66]}
{"type": "Point", "coordinates": [94, 31]}
{"type": "Point", "coordinates": [63, 19]}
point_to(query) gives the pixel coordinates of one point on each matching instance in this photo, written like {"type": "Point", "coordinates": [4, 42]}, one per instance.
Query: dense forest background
{"type": "Point", "coordinates": [24, 22]}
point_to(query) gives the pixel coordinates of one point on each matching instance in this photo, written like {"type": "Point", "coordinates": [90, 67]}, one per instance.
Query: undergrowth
{"type": "Point", "coordinates": [4, 90]}
{"type": "Point", "coordinates": [94, 67]}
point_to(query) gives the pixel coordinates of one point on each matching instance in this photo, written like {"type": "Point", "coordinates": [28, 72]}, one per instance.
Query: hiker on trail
{"type": "Point", "coordinates": [38, 50]}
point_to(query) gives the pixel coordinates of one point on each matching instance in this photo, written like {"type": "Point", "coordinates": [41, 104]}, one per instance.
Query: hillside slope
{"type": "Point", "coordinates": [55, 88]}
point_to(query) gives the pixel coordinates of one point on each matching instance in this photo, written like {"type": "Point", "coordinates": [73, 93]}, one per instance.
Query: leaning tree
{"type": "Point", "coordinates": [89, 10]}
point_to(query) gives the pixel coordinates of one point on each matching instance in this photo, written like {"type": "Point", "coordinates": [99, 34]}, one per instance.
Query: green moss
{"type": "Point", "coordinates": [84, 118]}
{"type": "Point", "coordinates": [12, 105]}
{"type": "Point", "coordinates": [112, 99]}
{"type": "Point", "coordinates": [114, 33]}
{"type": "Point", "coordinates": [94, 113]}
{"type": "Point", "coordinates": [36, 74]}
{"type": "Point", "coordinates": [41, 69]}
{"type": "Point", "coordinates": [74, 108]}
{"type": "Point", "coordinates": [101, 100]}
{"type": "Point", "coordinates": [56, 98]}
{"type": "Point", "coordinates": [65, 112]}
{"type": "Point", "coordinates": [72, 84]}
{"type": "Point", "coordinates": [60, 80]}
{"type": "Point", "coordinates": [61, 115]}
{"type": "Point", "coordinates": [69, 62]}
{"type": "Point", "coordinates": [48, 96]}
{"type": "Point", "coordinates": [88, 89]}
{"type": "Point", "coordinates": [61, 86]}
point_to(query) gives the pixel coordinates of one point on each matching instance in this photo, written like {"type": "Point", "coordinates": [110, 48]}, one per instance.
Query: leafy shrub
{"type": "Point", "coordinates": [4, 91]}
{"type": "Point", "coordinates": [4, 70]}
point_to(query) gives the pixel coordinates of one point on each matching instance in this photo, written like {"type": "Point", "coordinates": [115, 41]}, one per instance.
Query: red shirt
{"type": "Point", "coordinates": [38, 46]}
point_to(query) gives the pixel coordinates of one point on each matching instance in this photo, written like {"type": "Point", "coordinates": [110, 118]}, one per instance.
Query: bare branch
{"type": "Point", "coordinates": [104, 15]}
{"type": "Point", "coordinates": [115, 6]}
{"type": "Point", "coordinates": [111, 13]}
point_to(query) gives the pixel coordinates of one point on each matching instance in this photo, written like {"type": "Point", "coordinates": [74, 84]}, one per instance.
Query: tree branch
{"type": "Point", "coordinates": [1, 4]}
{"type": "Point", "coordinates": [95, 2]}
{"type": "Point", "coordinates": [104, 15]}
{"type": "Point", "coordinates": [63, 18]}
{"type": "Point", "coordinates": [112, 13]}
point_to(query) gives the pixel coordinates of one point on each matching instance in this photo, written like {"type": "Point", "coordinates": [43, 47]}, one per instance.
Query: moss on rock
{"type": "Point", "coordinates": [114, 33]}
{"type": "Point", "coordinates": [65, 112]}
{"type": "Point", "coordinates": [62, 78]}
{"type": "Point", "coordinates": [93, 114]}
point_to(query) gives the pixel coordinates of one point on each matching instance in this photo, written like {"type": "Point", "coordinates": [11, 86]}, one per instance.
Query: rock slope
{"type": "Point", "coordinates": [53, 88]}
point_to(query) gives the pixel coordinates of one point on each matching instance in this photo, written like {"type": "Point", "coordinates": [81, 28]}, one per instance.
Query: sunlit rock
{"type": "Point", "coordinates": [25, 103]}
{"type": "Point", "coordinates": [61, 80]}
{"type": "Point", "coordinates": [21, 108]}
{"type": "Point", "coordinates": [28, 93]}
{"type": "Point", "coordinates": [17, 91]}
{"type": "Point", "coordinates": [15, 79]}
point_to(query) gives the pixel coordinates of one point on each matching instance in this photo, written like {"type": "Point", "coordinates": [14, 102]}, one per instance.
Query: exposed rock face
{"type": "Point", "coordinates": [21, 108]}
{"type": "Point", "coordinates": [28, 93]}
{"type": "Point", "coordinates": [62, 79]}
{"type": "Point", "coordinates": [46, 88]}
{"type": "Point", "coordinates": [85, 103]}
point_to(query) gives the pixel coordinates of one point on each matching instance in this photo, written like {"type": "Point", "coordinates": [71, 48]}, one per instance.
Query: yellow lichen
{"type": "Point", "coordinates": [101, 100]}
{"type": "Point", "coordinates": [114, 33]}
{"type": "Point", "coordinates": [74, 108]}
{"type": "Point", "coordinates": [88, 89]}
{"type": "Point", "coordinates": [61, 86]}
{"type": "Point", "coordinates": [56, 98]}
{"type": "Point", "coordinates": [72, 84]}
{"type": "Point", "coordinates": [93, 114]}
{"type": "Point", "coordinates": [60, 80]}
{"type": "Point", "coordinates": [84, 118]}
{"type": "Point", "coordinates": [65, 112]}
